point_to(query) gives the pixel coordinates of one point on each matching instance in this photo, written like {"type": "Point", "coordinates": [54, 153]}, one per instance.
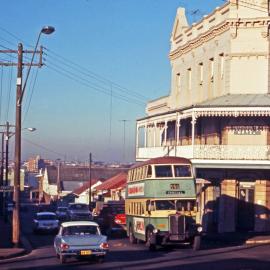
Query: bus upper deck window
{"type": "Point", "coordinates": [149, 172]}
{"type": "Point", "coordinates": [182, 170]}
{"type": "Point", "coordinates": [163, 170]}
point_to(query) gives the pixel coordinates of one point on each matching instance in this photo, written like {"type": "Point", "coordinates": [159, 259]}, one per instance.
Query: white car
{"type": "Point", "coordinates": [46, 221]}
{"type": "Point", "coordinates": [80, 239]}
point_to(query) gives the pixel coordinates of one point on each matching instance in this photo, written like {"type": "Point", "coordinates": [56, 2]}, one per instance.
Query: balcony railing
{"type": "Point", "coordinates": [216, 152]}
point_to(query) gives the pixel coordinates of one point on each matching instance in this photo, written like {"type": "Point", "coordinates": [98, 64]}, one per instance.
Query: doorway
{"type": "Point", "coordinates": [245, 217]}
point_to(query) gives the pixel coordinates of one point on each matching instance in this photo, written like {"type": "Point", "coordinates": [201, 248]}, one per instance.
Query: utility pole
{"type": "Point", "coordinates": [16, 192]}
{"type": "Point", "coordinates": [58, 178]}
{"type": "Point", "coordinates": [7, 142]}
{"type": "Point", "coordinates": [2, 202]}
{"type": "Point", "coordinates": [19, 97]}
{"type": "Point", "coordinates": [90, 181]}
{"type": "Point", "coordinates": [124, 138]}
{"type": "Point", "coordinates": [2, 160]}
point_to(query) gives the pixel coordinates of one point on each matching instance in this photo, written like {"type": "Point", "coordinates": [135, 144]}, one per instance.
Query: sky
{"type": "Point", "coordinates": [102, 64]}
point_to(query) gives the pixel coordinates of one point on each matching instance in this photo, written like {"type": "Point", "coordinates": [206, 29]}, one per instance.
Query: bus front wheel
{"type": "Point", "coordinates": [196, 244]}
{"type": "Point", "coordinates": [149, 240]}
{"type": "Point", "coordinates": [132, 238]}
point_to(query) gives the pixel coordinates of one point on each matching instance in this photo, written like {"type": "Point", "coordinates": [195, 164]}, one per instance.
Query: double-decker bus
{"type": "Point", "coordinates": [160, 203]}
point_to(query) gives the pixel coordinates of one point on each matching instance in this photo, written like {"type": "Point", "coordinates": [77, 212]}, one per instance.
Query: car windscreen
{"type": "Point", "coordinates": [80, 230]}
{"type": "Point", "coordinates": [46, 217]}
{"type": "Point", "coordinates": [165, 205]}
{"type": "Point", "coordinates": [62, 209]}
{"type": "Point", "coordinates": [78, 207]}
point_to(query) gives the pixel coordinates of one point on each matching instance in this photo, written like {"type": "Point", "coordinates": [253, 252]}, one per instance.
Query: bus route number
{"type": "Point", "coordinates": [175, 186]}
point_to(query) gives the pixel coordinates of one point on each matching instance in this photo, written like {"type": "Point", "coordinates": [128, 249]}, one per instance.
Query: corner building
{"type": "Point", "coordinates": [218, 113]}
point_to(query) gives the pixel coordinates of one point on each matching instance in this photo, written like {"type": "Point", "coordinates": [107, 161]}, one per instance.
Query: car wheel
{"type": "Point", "coordinates": [149, 244]}
{"type": "Point", "coordinates": [101, 259]}
{"type": "Point", "coordinates": [108, 232]}
{"type": "Point", "coordinates": [62, 258]}
{"type": "Point", "coordinates": [132, 238]}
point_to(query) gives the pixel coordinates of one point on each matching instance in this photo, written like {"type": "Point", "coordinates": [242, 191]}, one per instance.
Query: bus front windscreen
{"type": "Point", "coordinates": [165, 205]}
{"type": "Point", "coordinates": [185, 205]}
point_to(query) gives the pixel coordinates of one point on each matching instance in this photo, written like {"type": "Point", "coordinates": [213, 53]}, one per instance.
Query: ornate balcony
{"type": "Point", "coordinates": [209, 152]}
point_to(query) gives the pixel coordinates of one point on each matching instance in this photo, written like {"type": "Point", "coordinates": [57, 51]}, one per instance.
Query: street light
{"type": "Point", "coordinates": [6, 135]}
{"type": "Point", "coordinates": [19, 97]}
{"type": "Point", "coordinates": [45, 30]}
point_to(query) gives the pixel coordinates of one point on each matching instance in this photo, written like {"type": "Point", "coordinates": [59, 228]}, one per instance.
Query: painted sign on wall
{"type": "Point", "coordinates": [136, 190]}
{"type": "Point", "coordinates": [139, 225]}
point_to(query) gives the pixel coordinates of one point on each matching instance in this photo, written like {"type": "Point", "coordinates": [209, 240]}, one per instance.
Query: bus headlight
{"type": "Point", "coordinates": [199, 229]}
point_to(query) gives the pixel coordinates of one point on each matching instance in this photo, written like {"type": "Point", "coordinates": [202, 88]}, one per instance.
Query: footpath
{"type": "Point", "coordinates": [236, 238]}
{"type": "Point", "coordinates": [6, 247]}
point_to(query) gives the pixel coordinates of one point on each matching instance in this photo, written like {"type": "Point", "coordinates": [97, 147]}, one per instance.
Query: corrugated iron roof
{"type": "Point", "coordinates": [117, 181]}
{"type": "Point", "coordinates": [85, 186]}
{"type": "Point", "coordinates": [238, 100]}
{"type": "Point", "coordinates": [231, 100]}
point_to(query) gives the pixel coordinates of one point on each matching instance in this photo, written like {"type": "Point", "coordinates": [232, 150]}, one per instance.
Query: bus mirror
{"type": "Point", "coordinates": [148, 206]}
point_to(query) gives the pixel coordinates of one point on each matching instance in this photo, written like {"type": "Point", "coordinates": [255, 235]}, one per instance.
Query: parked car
{"type": "Point", "coordinates": [106, 218]}
{"type": "Point", "coordinates": [120, 219]}
{"type": "Point", "coordinates": [78, 211]}
{"type": "Point", "coordinates": [80, 239]}
{"type": "Point", "coordinates": [45, 221]}
{"type": "Point", "coordinates": [61, 212]}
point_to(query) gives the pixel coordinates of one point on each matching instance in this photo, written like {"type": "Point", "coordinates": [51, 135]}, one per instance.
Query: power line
{"type": "Point", "coordinates": [124, 138]}
{"type": "Point", "coordinates": [44, 148]}
{"type": "Point", "coordinates": [31, 95]}
{"type": "Point", "coordinates": [249, 5]}
{"type": "Point", "coordinates": [14, 36]}
{"type": "Point", "coordinates": [9, 91]}
{"type": "Point", "coordinates": [91, 74]}
{"type": "Point", "coordinates": [126, 95]}
{"type": "Point", "coordinates": [88, 84]}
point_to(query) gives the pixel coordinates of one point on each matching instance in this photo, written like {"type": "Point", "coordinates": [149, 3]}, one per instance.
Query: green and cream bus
{"type": "Point", "coordinates": [160, 203]}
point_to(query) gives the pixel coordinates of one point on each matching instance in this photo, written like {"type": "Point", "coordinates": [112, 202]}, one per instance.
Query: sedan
{"type": "Point", "coordinates": [80, 239]}
{"type": "Point", "coordinates": [61, 212]}
{"type": "Point", "coordinates": [46, 221]}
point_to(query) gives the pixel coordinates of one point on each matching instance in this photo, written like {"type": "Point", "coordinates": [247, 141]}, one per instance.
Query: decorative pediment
{"type": "Point", "coordinates": [180, 23]}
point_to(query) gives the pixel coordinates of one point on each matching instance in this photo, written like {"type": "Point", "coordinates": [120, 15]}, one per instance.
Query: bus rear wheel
{"type": "Point", "coordinates": [149, 235]}
{"type": "Point", "coordinates": [132, 238]}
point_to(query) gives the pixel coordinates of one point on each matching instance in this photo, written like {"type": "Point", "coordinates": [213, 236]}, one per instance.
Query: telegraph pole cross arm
{"type": "Point", "coordinates": [39, 64]}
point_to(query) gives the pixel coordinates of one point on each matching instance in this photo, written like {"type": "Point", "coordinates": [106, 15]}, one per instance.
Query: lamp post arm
{"type": "Point", "coordinates": [19, 102]}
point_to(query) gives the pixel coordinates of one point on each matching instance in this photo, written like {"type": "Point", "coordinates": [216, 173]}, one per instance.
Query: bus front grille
{"type": "Point", "coordinates": [177, 227]}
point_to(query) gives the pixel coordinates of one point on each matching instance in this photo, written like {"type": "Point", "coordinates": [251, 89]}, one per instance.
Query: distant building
{"type": "Point", "coordinates": [113, 189]}
{"type": "Point", "coordinates": [35, 164]}
{"type": "Point", "coordinates": [82, 193]}
{"type": "Point", "coordinates": [62, 180]}
{"type": "Point", "coordinates": [218, 113]}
